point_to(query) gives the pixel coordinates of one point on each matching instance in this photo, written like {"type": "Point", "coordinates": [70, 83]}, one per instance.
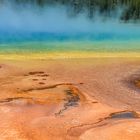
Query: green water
{"type": "Point", "coordinates": [95, 46]}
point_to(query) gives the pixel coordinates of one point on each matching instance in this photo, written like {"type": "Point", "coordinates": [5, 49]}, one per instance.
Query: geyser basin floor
{"type": "Point", "coordinates": [49, 99]}
{"type": "Point", "coordinates": [66, 55]}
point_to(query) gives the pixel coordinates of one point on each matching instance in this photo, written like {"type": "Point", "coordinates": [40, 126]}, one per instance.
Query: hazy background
{"type": "Point", "coordinates": [29, 22]}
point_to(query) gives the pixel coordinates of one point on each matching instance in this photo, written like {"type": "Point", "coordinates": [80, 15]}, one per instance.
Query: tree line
{"type": "Point", "coordinates": [130, 8]}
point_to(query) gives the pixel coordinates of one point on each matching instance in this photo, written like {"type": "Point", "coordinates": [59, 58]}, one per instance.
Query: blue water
{"type": "Point", "coordinates": [40, 36]}
{"type": "Point", "coordinates": [43, 41]}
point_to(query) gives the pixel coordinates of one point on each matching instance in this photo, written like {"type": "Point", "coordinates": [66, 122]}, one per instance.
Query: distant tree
{"type": "Point", "coordinates": [105, 7]}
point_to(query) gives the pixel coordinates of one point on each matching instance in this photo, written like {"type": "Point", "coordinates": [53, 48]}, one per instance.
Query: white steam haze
{"type": "Point", "coordinates": [31, 18]}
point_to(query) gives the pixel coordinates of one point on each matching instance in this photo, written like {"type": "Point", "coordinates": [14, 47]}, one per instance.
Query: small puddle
{"type": "Point", "coordinates": [124, 115]}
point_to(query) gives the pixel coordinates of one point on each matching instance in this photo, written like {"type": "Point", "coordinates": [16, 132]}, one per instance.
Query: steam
{"type": "Point", "coordinates": [31, 19]}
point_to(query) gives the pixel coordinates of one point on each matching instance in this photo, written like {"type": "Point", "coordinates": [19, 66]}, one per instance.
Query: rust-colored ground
{"type": "Point", "coordinates": [70, 99]}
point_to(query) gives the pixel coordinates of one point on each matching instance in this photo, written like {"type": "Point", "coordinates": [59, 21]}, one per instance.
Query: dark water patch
{"type": "Point", "coordinates": [81, 83]}
{"type": "Point", "coordinates": [39, 73]}
{"type": "Point", "coordinates": [124, 115]}
{"type": "Point", "coordinates": [94, 102]}
{"type": "Point", "coordinates": [41, 83]}
{"type": "Point", "coordinates": [36, 72]}
{"type": "Point", "coordinates": [35, 79]}
{"type": "Point", "coordinates": [72, 100]}
{"type": "Point", "coordinates": [43, 75]}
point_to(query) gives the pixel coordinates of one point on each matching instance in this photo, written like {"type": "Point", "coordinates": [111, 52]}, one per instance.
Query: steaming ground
{"type": "Point", "coordinates": [28, 19]}
{"type": "Point", "coordinates": [50, 93]}
{"type": "Point", "coordinates": [29, 27]}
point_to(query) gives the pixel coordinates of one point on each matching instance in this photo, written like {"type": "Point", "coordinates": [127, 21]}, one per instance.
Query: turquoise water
{"type": "Point", "coordinates": [31, 28]}
{"type": "Point", "coordinates": [26, 37]}
{"type": "Point", "coordinates": [96, 46]}
{"type": "Point", "coordinates": [18, 42]}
